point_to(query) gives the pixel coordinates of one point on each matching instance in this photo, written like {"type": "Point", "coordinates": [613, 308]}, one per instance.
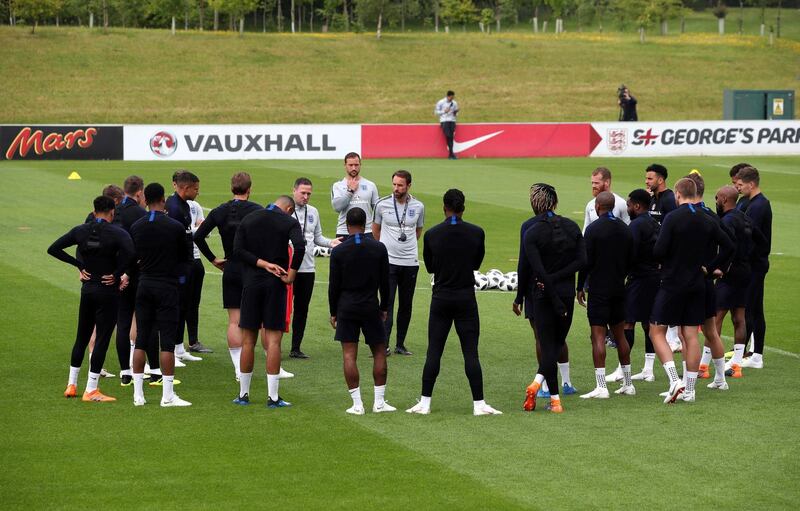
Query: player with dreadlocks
{"type": "Point", "coordinates": [554, 251]}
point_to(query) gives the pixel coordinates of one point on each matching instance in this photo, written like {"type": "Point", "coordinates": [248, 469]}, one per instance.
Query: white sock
{"type": "Point", "coordinates": [355, 395]}
{"type": "Point", "coordinates": [719, 369]}
{"type": "Point", "coordinates": [672, 373]}
{"type": "Point", "coordinates": [167, 386]}
{"type": "Point", "coordinates": [244, 383]}
{"type": "Point", "coordinates": [179, 350]}
{"type": "Point", "coordinates": [236, 354]}
{"type": "Point", "coordinates": [691, 378]}
{"type": "Point", "coordinates": [125, 372]}
{"type": "Point", "coordinates": [73, 375]}
{"type": "Point", "coordinates": [91, 383]}
{"type": "Point", "coordinates": [476, 405]}
{"type": "Point", "coordinates": [540, 380]}
{"type": "Point", "coordinates": [683, 375]}
{"type": "Point", "coordinates": [626, 375]}
{"type": "Point", "coordinates": [706, 358]}
{"type": "Point", "coordinates": [600, 376]}
{"type": "Point", "coordinates": [545, 388]}
{"type": "Point", "coordinates": [130, 357]}
{"type": "Point", "coordinates": [649, 359]}
{"type": "Point", "coordinates": [564, 370]}
{"type": "Point", "coordinates": [756, 357]}
{"type": "Point", "coordinates": [555, 398]}
{"type": "Point", "coordinates": [138, 385]}
{"type": "Point", "coordinates": [272, 386]}
{"type": "Point", "coordinates": [425, 402]}
{"type": "Point", "coordinates": [380, 393]}
{"type": "Point", "coordinates": [738, 354]}
{"type": "Point", "coordinates": [156, 372]}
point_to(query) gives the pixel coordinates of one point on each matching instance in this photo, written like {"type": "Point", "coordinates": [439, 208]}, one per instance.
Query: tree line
{"type": "Point", "coordinates": [367, 15]}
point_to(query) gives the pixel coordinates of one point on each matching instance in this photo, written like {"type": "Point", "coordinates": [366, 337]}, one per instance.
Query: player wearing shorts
{"type": "Point", "coordinates": [226, 219]}
{"type": "Point", "coordinates": [681, 248]}
{"type": "Point", "coordinates": [609, 252]}
{"type": "Point", "coordinates": [359, 273]}
{"type": "Point", "coordinates": [262, 245]}
{"type": "Point", "coordinates": [162, 256]}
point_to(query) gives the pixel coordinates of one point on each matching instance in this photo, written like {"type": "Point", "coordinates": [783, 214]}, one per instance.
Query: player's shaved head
{"type": "Point", "coordinates": [604, 202]}
{"type": "Point", "coordinates": [729, 193]}
{"type": "Point", "coordinates": [284, 201]}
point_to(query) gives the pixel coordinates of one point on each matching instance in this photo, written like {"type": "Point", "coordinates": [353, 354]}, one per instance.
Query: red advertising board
{"type": "Point", "coordinates": [478, 140]}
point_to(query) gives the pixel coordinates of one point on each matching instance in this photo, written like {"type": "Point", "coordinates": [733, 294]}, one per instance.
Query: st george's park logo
{"type": "Point", "coordinates": [163, 144]}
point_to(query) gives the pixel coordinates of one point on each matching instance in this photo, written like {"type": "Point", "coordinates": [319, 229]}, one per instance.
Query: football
{"type": "Point", "coordinates": [481, 281]}
{"type": "Point", "coordinates": [495, 279]}
{"type": "Point", "coordinates": [509, 282]}
{"type": "Point", "coordinates": [317, 250]}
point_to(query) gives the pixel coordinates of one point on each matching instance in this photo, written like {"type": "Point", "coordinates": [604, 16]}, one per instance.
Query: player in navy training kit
{"type": "Point", "coordinates": [682, 247]}
{"type": "Point", "coordinates": [555, 251]}
{"type": "Point", "coordinates": [104, 252]}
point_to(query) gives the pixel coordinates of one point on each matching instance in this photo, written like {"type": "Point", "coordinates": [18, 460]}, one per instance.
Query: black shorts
{"type": "Point", "coordinates": [528, 305]}
{"type": "Point", "coordinates": [731, 295]}
{"type": "Point", "coordinates": [232, 288]}
{"type": "Point", "coordinates": [605, 310]}
{"type": "Point", "coordinates": [640, 294]}
{"type": "Point", "coordinates": [682, 308]}
{"type": "Point", "coordinates": [264, 304]}
{"type": "Point", "coordinates": [710, 299]}
{"type": "Point", "coordinates": [157, 313]}
{"type": "Point", "coordinates": [348, 329]}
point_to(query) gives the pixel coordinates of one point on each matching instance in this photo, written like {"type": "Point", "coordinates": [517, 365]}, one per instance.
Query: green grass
{"type": "Point", "coordinates": [73, 75]}
{"type": "Point", "coordinates": [598, 455]}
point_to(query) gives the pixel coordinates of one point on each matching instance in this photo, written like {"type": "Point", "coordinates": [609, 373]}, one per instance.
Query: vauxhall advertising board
{"type": "Point", "coordinates": [241, 142]}
{"type": "Point", "coordinates": [60, 142]}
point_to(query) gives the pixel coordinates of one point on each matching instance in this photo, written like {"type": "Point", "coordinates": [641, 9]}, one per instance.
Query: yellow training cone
{"type": "Point", "coordinates": [74, 175]}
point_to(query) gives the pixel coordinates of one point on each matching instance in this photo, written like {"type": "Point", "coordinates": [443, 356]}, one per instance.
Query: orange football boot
{"type": "Point", "coordinates": [530, 396]}
{"type": "Point", "coordinates": [71, 391]}
{"type": "Point", "coordinates": [97, 396]}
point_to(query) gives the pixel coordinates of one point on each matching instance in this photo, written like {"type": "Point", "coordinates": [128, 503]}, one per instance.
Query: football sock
{"type": "Point", "coordinates": [564, 370]}
{"type": "Point", "coordinates": [719, 369]}
{"type": "Point", "coordinates": [73, 375]}
{"type": "Point", "coordinates": [555, 398]}
{"type": "Point", "coordinates": [380, 393]}
{"type": "Point", "coordinates": [626, 375]}
{"type": "Point", "coordinates": [544, 387]}
{"type": "Point", "coordinates": [691, 378]}
{"type": "Point", "coordinates": [600, 377]}
{"type": "Point", "coordinates": [683, 375]}
{"type": "Point", "coordinates": [244, 383]}
{"type": "Point", "coordinates": [477, 405]}
{"type": "Point", "coordinates": [738, 353]}
{"type": "Point", "coordinates": [138, 385]}
{"type": "Point", "coordinates": [179, 350]}
{"type": "Point", "coordinates": [126, 372]}
{"type": "Point", "coordinates": [649, 359]}
{"type": "Point", "coordinates": [130, 357]}
{"type": "Point", "coordinates": [672, 373]}
{"type": "Point", "coordinates": [167, 386]}
{"type": "Point", "coordinates": [425, 401]}
{"type": "Point", "coordinates": [706, 358]}
{"type": "Point", "coordinates": [539, 379]}
{"type": "Point", "coordinates": [91, 383]}
{"type": "Point", "coordinates": [756, 357]}
{"type": "Point", "coordinates": [272, 386]}
{"type": "Point", "coordinates": [236, 354]}
{"type": "Point", "coordinates": [355, 394]}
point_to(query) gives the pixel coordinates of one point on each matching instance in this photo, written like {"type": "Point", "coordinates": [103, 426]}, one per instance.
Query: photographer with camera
{"type": "Point", "coordinates": [627, 104]}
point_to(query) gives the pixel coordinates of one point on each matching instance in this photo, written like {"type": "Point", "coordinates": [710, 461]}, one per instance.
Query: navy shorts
{"type": "Point", "coordinates": [731, 295]}
{"type": "Point", "coordinates": [264, 304]}
{"type": "Point", "coordinates": [640, 294]}
{"type": "Point", "coordinates": [231, 287]}
{"type": "Point", "coordinates": [605, 310]}
{"type": "Point", "coordinates": [683, 308]}
{"type": "Point", "coordinates": [348, 329]}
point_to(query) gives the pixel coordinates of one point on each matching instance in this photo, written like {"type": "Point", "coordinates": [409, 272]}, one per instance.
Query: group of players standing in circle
{"type": "Point", "coordinates": [658, 271]}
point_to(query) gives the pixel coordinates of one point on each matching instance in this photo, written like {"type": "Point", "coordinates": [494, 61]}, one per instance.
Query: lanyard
{"type": "Point", "coordinates": [305, 219]}
{"type": "Point", "coordinates": [400, 222]}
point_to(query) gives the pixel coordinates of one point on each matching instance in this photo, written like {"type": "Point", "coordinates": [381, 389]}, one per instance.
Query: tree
{"type": "Point", "coordinates": [557, 6]}
{"type": "Point", "coordinates": [487, 15]}
{"type": "Point", "coordinates": [34, 11]}
{"type": "Point", "coordinates": [503, 9]}
{"type": "Point", "coordinates": [720, 11]}
{"type": "Point", "coordinates": [372, 11]}
{"type": "Point", "coordinates": [459, 11]}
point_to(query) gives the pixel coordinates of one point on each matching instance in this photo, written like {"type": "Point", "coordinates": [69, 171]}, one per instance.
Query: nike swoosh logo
{"type": "Point", "coordinates": [463, 146]}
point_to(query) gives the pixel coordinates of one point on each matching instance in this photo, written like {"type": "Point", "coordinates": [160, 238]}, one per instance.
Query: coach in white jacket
{"type": "Point", "coordinates": [354, 191]}
{"type": "Point", "coordinates": [447, 110]}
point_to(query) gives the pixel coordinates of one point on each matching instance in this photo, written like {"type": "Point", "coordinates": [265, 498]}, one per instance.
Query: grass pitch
{"type": "Point", "coordinates": [736, 449]}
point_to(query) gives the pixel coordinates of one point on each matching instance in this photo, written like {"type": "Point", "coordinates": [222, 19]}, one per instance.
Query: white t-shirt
{"type": "Point", "coordinates": [308, 218]}
{"type": "Point", "coordinates": [405, 220]}
{"type": "Point", "coordinates": [450, 114]}
{"type": "Point", "coordinates": [620, 211]}
{"type": "Point", "coordinates": [365, 197]}
{"type": "Point", "coordinates": [196, 212]}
